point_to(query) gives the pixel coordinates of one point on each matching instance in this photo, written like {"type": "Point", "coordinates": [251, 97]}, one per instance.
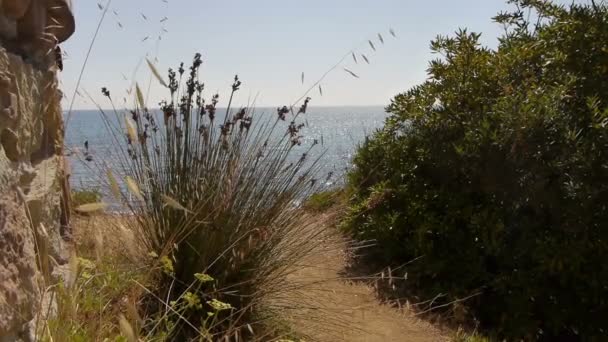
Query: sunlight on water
{"type": "Point", "coordinates": [338, 129]}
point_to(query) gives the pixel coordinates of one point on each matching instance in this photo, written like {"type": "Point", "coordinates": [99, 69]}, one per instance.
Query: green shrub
{"type": "Point", "coordinates": [495, 172]}
{"type": "Point", "coordinates": [80, 197]}
{"type": "Point", "coordinates": [214, 204]}
{"type": "Point", "coordinates": [324, 200]}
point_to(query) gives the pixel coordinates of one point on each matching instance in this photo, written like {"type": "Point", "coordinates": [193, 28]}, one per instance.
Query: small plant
{"type": "Point", "coordinates": [324, 200]}
{"type": "Point", "coordinates": [462, 336]}
{"type": "Point", "coordinates": [91, 297]}
{"type": "Point", "coordinates": [85, 196]}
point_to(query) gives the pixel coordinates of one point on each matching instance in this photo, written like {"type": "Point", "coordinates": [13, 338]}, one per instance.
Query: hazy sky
{"type": "Point", "coordinates": [269, 43]}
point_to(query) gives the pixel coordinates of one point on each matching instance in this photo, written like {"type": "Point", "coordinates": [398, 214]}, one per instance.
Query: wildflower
{"type": "Point", "coordinates": [85, 264]}
{"type": "Point", "coordinates": [196, 63]}
{"type": "Point", "coordinates": [167, 264]}
{"type": "Point", "coordinates": [173, 84]}
{"type": "Point", "coordinates": [218, 305]}
{"type": "Point", "coordinates": [296, 141]}
{"type": "Point", "coordinates": [203, 278]}
{"type": "Point", "coordinates": [236, 85]}
{"type": "Point", "coordinates": [192, 301]}
{"type": "Point", "coordinates": [240, 115]}
{"type": "Point", "coordinates": [211, 108]}
{"type": "Point", "coordinates": [304, 106]}
{"type": "Point", "coordinates": [225, 129]}
{"type": "Point", "coordinates": [246, 123]}
{"type": "Point", "coordinates": [167, 110]}
{"type": "Point", "coordinates": [282, 112]}
{"type": "Point", "coordinates": [292, 129]}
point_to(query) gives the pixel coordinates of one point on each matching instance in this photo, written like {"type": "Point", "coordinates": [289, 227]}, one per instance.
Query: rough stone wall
{"type": "Point", "coordinates": [32, 214]}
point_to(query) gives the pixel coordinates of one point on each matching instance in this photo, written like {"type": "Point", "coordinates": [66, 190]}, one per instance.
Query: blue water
{"type": "Point", "coordinates": [338, 129]}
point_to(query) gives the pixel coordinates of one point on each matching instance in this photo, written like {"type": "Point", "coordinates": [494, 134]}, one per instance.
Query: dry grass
{"type": "Point", "coordinates": [106, 235]}
{"type": "Point", "coordinates": [99, 284]}
{"type": "Point", "coordinates": [317, 302]}
{"type": "Point", "coordinates": [213, 197]}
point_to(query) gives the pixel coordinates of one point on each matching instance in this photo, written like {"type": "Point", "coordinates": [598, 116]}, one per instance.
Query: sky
{"type": "Point", "coordinates": [268, 43]}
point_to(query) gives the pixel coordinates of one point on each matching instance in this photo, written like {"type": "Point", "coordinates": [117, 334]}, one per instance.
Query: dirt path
{"type": "Point", "coordinates": [336, 309]}
{"type": "Point", "coordinates": [326, 305]}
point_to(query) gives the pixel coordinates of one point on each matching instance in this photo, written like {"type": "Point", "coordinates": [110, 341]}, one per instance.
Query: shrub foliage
{"type": "Point", "coordinates": [85, 196]}
{"type": "Point", "coordinates": [495, 172]}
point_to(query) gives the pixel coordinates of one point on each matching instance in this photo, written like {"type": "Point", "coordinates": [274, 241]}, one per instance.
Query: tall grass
{"type": "Point", "coordinates": [214, 198]}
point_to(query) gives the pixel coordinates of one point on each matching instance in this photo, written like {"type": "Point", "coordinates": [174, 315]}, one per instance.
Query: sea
{"type": "Point", "coordinates": [91, 148]}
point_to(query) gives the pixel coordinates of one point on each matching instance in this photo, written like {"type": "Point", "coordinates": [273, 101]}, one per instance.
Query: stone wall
{"type": "Point", "coordinates": [32, 185]}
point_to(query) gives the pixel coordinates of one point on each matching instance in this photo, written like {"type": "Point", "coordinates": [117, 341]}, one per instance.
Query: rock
{"type": "Point", "coordinates": [60, 19]}
{"type": "Point", "coordinates": [32, 184]}
{"type": "Point", "coordinates": [47, 16]}
{"type": "Point", "coordinates": [15, 9]}
{"type": "Point", "coordinates": [28, 174]}
{"type": "Point", "coordinates": [31, 25]}
{"type": "Point", "coordinates": [8, 28]}
{"type": "Point", "coordinates": [9, 141]}
{"type": "Point", "coordinates": [19, 290]}
{"type": "Point", "coordinates": [34, 28]}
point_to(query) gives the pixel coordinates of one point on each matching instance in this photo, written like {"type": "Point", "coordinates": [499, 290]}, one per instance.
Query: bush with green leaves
{"type": "Point", "coordinates": [324, 200]}
{"type": "Point", "coordinates": [494, 173]}
{"type": "Point", "coordinates": [85, 196]}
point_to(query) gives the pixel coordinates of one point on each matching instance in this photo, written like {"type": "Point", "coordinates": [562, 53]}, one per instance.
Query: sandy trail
{"type": "Point", "coordinates": [332, 308]}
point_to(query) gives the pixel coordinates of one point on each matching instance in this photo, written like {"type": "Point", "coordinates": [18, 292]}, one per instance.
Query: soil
{"type": "Point", "coordinates": [328, 306]}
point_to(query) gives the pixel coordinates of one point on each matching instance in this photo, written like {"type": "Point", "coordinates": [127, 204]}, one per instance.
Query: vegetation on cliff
{"type": "Point", "coordinates": [485, 192]}
{"type": "Point", "coordinates": [492, 174]}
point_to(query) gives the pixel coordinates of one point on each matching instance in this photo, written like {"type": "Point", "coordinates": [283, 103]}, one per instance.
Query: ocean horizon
{"type": "Point", "coordinates": [338, 129]}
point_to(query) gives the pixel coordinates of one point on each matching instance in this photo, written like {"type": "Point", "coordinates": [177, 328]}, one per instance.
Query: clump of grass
{"type": "Point", "coordinates": [99, 284]}
{"type": "Point", "coordinates": [463, 336]}
{"type": "Point", "coordinates": [85, 196]}
{"type": "Point", "coordinates": [214, 201]}
{"type": "Point", "coordinates": [89, 304]}
{"type": "Point", "coordinates": [324, 200]}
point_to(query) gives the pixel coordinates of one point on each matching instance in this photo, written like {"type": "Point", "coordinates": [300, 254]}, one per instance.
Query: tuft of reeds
{"type": "Point", "coordinates": [214, 199]}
